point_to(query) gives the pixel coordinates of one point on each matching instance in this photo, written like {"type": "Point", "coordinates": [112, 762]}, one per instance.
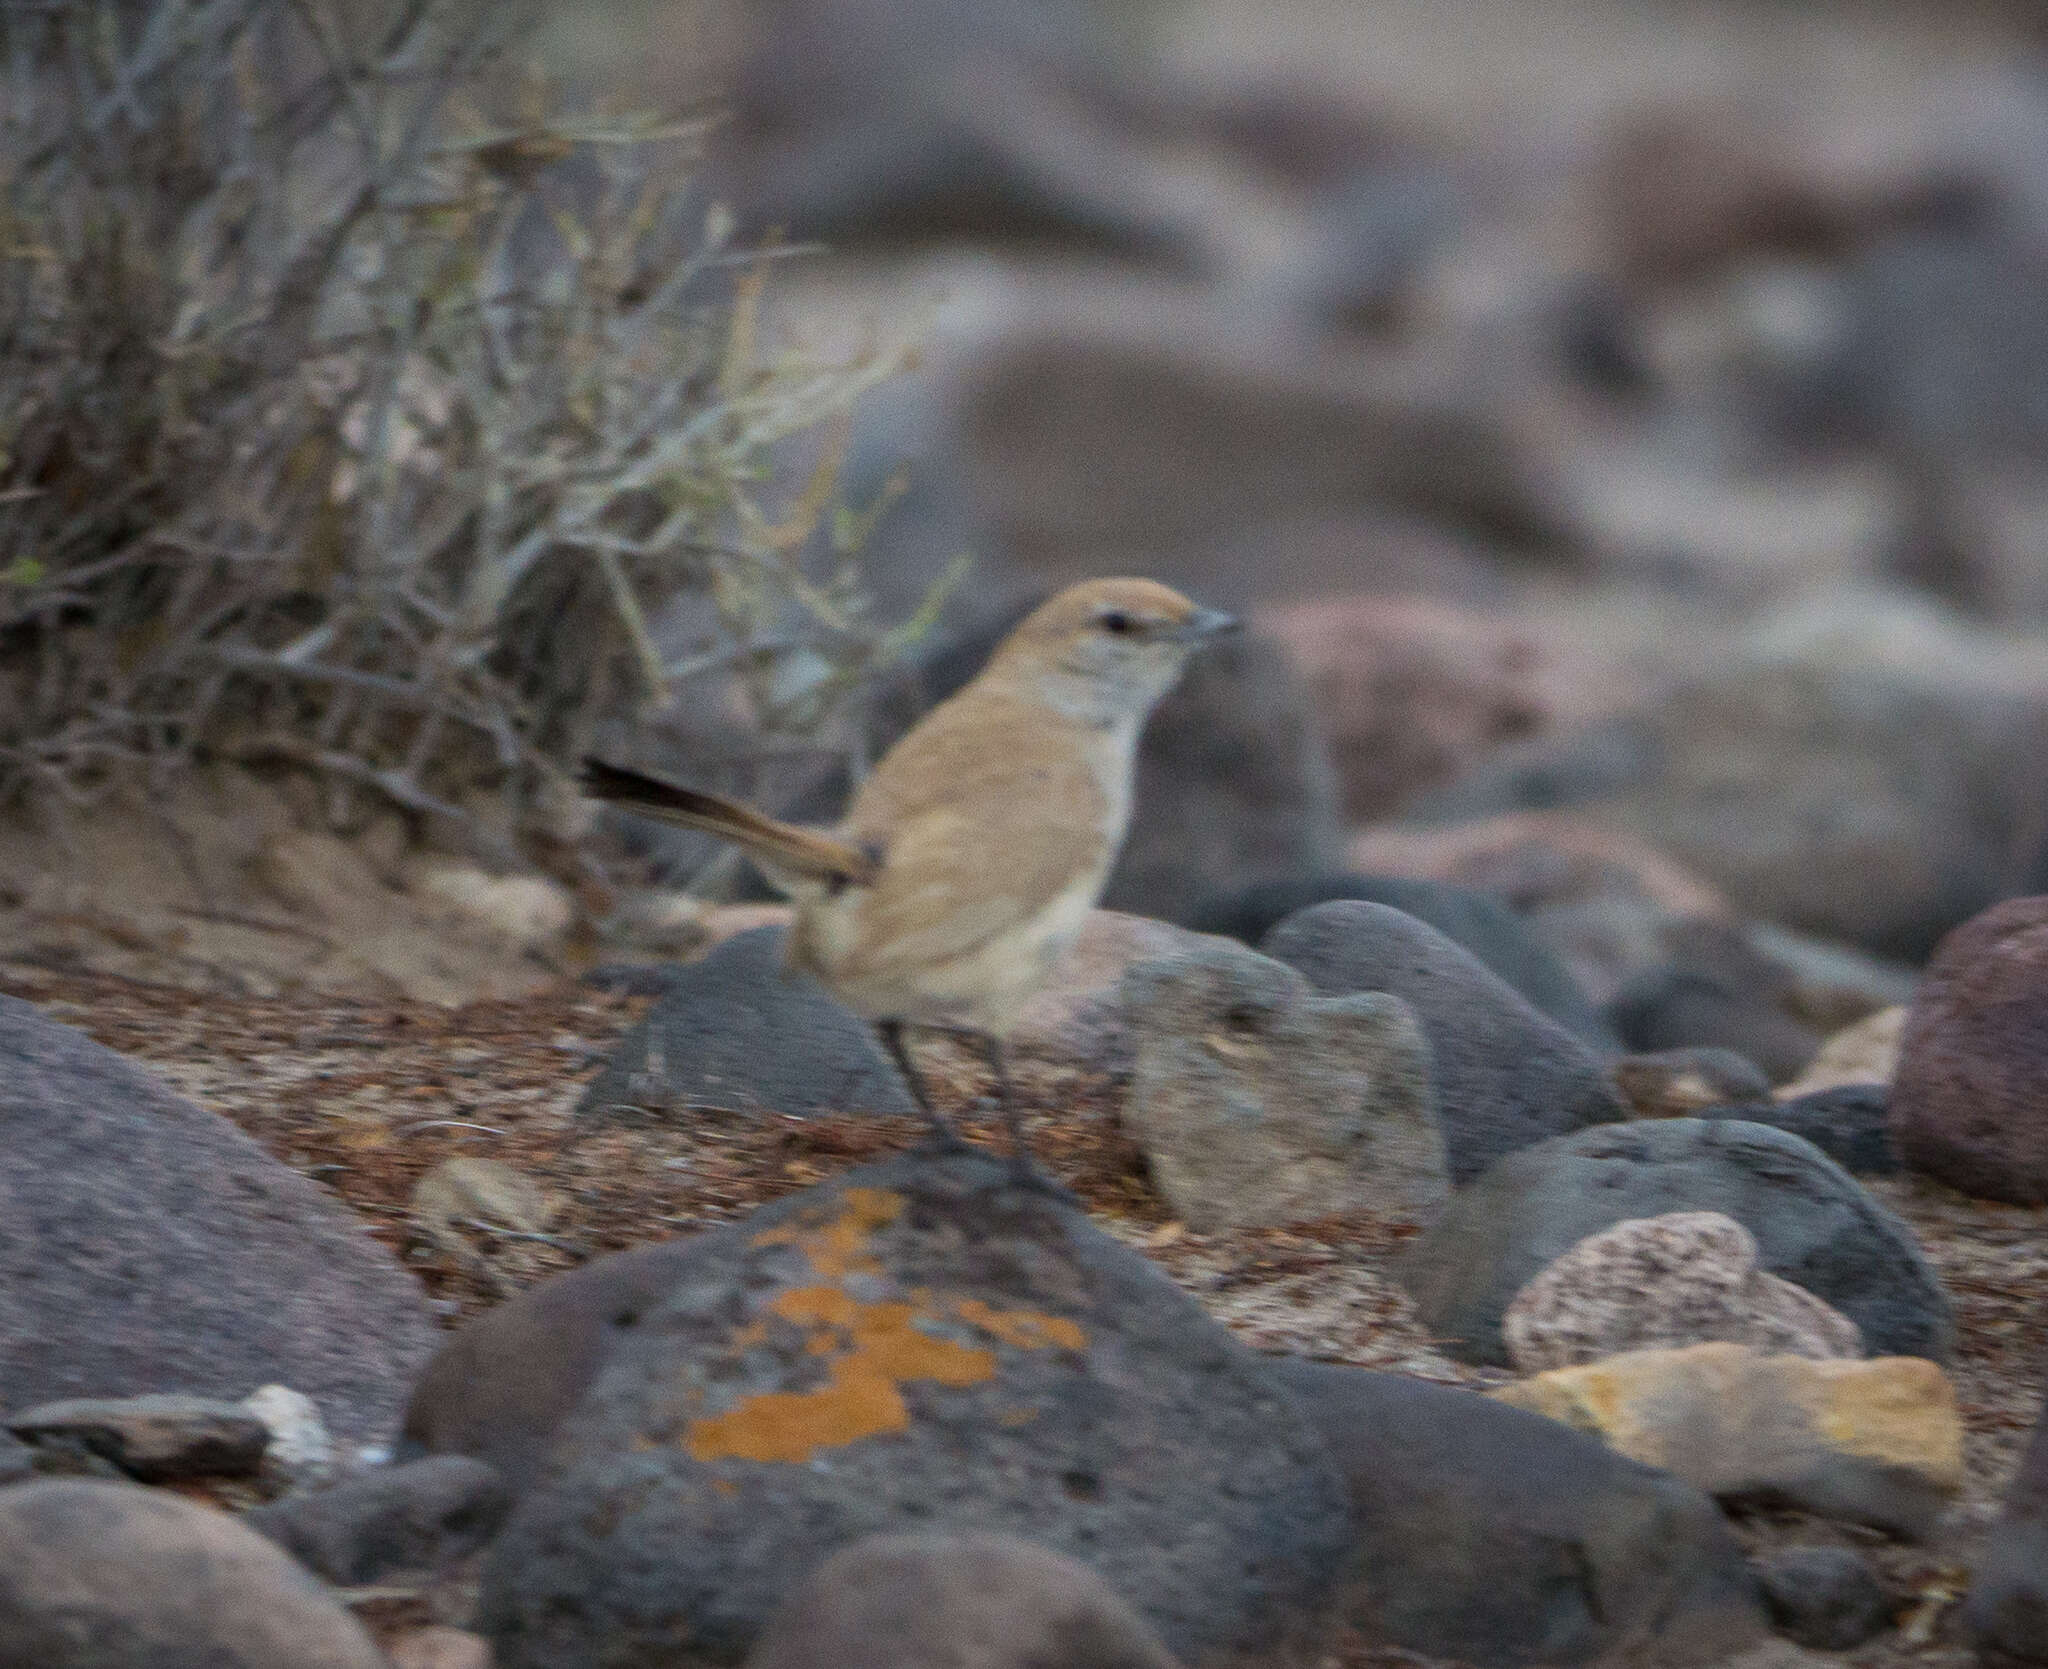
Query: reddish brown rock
{"type": "Point", "coordinates": [1968, 1104]}
{"type": "Point", "coordinates": [1410, 691]}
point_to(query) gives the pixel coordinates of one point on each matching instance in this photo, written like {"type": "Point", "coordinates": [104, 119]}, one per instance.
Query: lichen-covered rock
{"type": "Point", "coordinates": [1814, 1226]}
{"type": "Point", "coordinates": [955, 1602]}
{"type": "Point", "coordinates": [1876, 1442]}
{"type": "Point", "coordinates": [115, 1576]}
{"type": "Point", "coordinates": [1966, 1103]}
{"type": "Point", "coordinates": [1688, 1277]}
{"type": "Point", "coordinates": [923, 1345]}
{"type": "Point", "coordinates": [1259, 1103]}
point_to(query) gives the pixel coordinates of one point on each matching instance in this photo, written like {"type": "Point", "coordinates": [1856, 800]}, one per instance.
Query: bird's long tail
{"type": "Point", "coordinates": [784, 847]}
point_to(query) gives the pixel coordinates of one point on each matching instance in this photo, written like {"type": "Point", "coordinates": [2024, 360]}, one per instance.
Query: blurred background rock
{"type": "Point", "coordinates": [1662, 384]}
{"type": "Point", "coordinates": [1626, 411]}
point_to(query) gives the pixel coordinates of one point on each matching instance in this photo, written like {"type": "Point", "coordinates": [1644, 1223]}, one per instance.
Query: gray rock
{"type": "Point", "coordinates": [1828, 1598]}
{"type": "Point", "coordinates": [1505, 1075]}
{"type": "Point", "coordinates": [145, 1243]}
{"type": "Point", "coordinates": [2007, 1611]}
{"type": "Point", "coordinates": [1849, 1123]}
{"type": "Point", "coordinates": [1476, 920]}
{"type": "Point", "coordinates": [1504, 1540]}
{"type": "Point", "coordinates": [1687, 1006]}
{"type": "Point", "coordinates": [1259, 1103]}
{"type": "Point", "coordinates": [114, 1576]}
{"type": "Point", "coordinates": [955, 1602]}
{"type": "Point", "coordinates": [1813, 1224]}
{"type": "Point", "coordinates": [1680, 1083]}
{"type": "Point", "coordinates": [1233, 781]}
{"type": "Point", "coordinates": [916, 1346]}
{"type": "Point", "coordinates": [857, 121]}
{"type": "Point", "coordinates": [500, 1389]}
{"type": "Point", "coordinates": [158, 1439]}
{"type": "Point", "coordinates": [739, 1030]}
{"type": "Point", "coordinates": [418, 1515]}
{"type": "Point", "coordinates": [17, 1460]}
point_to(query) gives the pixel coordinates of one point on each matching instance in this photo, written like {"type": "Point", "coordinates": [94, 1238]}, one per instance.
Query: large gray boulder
{"type": "Point", "coordinates": [1505, 1075]}
{"type": "Point", "coordinates": [147, 1245]}
{"type": "Point", "coordinates": [1504, 1540]}
{"type": "Point", "coordinates": [919, 1345]}
{"type": "Point", "coordinates": [1813, 1223]}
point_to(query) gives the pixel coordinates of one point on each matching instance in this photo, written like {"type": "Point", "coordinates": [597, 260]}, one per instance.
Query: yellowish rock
{"type": "Point", "coordinates": [1879, 1442]}
{"type": "Point", "coordinates": [1865, 1053]}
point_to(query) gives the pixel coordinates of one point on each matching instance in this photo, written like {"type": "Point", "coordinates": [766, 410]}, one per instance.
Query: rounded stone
{"type": "Point", "coordinates": [114, 1576]}
{"type": "Point", "coordinates": [1967, 1105]}
{"type": "Point", "coordinates": [1824, 1597]}
{"type": "Point", "coordinates": [944, 1602]}
{"type": "Point", "coordinates": [1506, 1076]}
{"type": "Point", "coordinates": [922, 1346]}
{"type": "Point", "coordinates": [1813, 1223]}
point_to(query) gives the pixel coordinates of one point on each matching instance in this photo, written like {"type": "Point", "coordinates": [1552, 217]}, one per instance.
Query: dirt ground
{"type": "Point", "coordinates": [372, 1096]}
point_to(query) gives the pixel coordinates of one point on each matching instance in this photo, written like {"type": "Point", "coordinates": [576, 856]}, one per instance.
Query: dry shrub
{"type": "Point", "coordinates": [361, 407]}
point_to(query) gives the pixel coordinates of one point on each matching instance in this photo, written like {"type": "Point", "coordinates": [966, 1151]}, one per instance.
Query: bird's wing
{"type": "Point", "coordinates": [788, 848]}
{"type": "Point", "coordinates": [983, 825]}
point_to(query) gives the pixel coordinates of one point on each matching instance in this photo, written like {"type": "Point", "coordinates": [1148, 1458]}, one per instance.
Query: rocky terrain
{"type": "Point", "coordinates": [1550, 1151]}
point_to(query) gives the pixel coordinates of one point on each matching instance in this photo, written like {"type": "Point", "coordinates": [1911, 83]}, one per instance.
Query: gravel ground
{"type": "Point", "coordinates": [370, 1097]}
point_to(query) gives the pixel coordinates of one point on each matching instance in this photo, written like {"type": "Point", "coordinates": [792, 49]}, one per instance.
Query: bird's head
{"type": "Point", "coordinates": [1107, 649]}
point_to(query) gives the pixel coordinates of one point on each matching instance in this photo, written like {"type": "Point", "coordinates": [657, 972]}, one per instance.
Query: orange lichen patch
{"type": "Point", "coordinates": [861, 1398]}
{"type": "Point", "coordinates": [837, 1245]}
{"type": "Point", "coordinates": [1026, 1329]}
{"type": "Point", "coordinates": [725, 1487]}
{"type": "Point", "coordinates": [1016, 1417]}
{"type": "Point", "coordinates": [878, 1346]}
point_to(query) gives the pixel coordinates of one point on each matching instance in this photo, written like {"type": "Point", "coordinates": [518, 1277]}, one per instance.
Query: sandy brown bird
{"type": "Point", "coordinates": [974, 851]}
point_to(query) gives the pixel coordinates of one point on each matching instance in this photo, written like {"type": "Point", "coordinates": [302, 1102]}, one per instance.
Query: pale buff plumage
{"type": "Point", "coordinates": [974, 851]}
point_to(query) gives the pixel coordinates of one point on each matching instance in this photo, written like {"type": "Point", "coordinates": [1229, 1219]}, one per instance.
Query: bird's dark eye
{"type": "Point", "coordinates": [1118, 622]}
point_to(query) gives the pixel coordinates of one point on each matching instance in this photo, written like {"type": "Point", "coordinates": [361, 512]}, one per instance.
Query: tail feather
{"type": "Point", "coordinates": [785, 846]}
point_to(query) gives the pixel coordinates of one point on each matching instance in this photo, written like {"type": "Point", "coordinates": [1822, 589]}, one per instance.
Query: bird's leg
{"type": "Point", "coordinates": [1013, 1119]}
{"type": "Point", "coordinates": [945, 1139]}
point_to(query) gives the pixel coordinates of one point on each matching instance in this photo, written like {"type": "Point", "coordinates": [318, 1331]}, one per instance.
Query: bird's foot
{"type": "Point", "coordinates": [943, 1142]}
{"type": "Point", "coordinates": [1026, 1176]}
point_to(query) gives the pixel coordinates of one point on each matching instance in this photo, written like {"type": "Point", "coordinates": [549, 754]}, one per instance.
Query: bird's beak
{"type": "Point", "coordinates": [1206, 623]}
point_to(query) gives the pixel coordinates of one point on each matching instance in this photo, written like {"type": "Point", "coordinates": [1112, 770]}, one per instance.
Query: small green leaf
{"type": "Point", "coordinates": [26, 571]}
